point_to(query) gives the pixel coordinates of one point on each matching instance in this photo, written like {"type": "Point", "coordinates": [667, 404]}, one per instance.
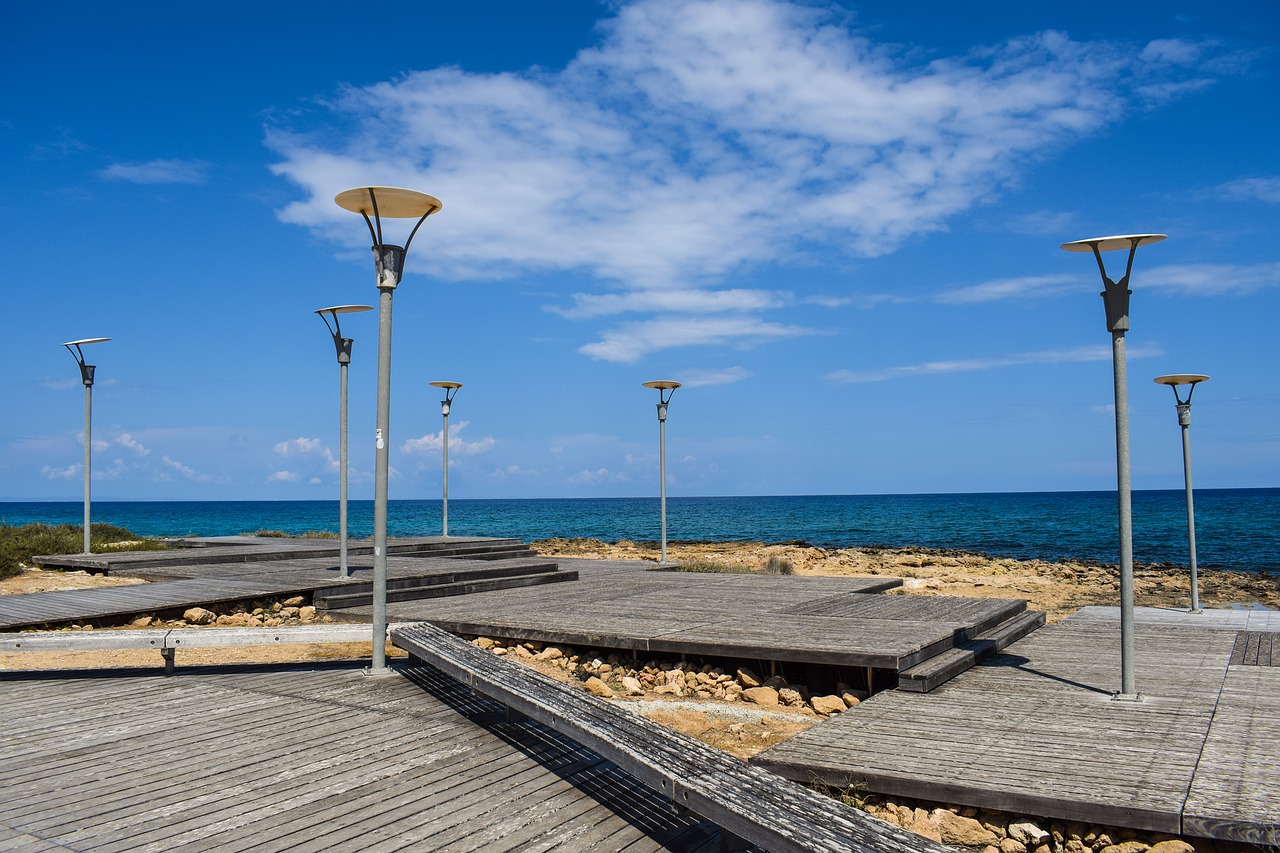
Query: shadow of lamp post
{"type": "Point", "coordinates": [1184, 420]}
{"type": "Point", "coordinates": [1115, 297]}
{"type": "Point", "coordinates": [375, 203]}
{"type": "Point", "coordinates": [86, 376]}
{"type": "Point", "coordinates": [343, 346]}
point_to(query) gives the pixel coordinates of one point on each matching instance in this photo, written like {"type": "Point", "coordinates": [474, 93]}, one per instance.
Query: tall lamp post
{"type": "Point", "coordinates": [665, 389]}
{"type": "Point", "coordinates": [392, 203]}
{"type": "Point", "coordinates": [1115, 297]}
{"type": "Point", "coordinates": [86, 376]}
{"type": "Point", "coordinates": [1184, 420]}
{"type": "Point", "coordinates": [343, 346]}
{"type": "Point", "coordinates": [450, 390]}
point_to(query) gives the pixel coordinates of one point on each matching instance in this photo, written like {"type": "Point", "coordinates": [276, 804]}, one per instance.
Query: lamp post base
{"type": "Point", "coordinates": [378, 671]}
{"type": "Point", "coordinates": [1128, 698]}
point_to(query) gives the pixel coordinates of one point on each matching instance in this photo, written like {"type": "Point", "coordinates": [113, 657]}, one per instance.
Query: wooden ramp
{"type": "Point", "coordinates": [331, 760]}
{"type": "Point", "coordinates": [1034, 730]}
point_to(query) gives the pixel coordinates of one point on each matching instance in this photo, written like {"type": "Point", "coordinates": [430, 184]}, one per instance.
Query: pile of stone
{"type": "Point", "coordinates": [996, 832]}
{"type": "Point", "coordinates": [609, 675]}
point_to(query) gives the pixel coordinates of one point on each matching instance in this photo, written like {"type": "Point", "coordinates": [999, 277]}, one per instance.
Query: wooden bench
{"type": "Point", "coordinates": [168, 641]}
{"type": "Point", "coordinates": [750, 804]}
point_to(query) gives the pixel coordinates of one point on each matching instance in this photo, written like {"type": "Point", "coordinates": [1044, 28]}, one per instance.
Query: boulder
{"type": "Point", "coordinates": [596, 687]}
{"type": "Point", "coordinates": [294, 601]}
{"type": "Point", "coordinates": [632, 685]}
{"type": "Point", "coordinates": [549, 653]}
{"type": "Point", "coordinates": [1012, 845]}
{"type": "Point", "coordinates": [307, 613]}
{"type": "Point", "coordinates": [965, 831]}
{"type": "Point", "coordinates": [483, 643]}
{"type": "Point", "coordinates": [761, 695]}
{"type": "Point", "coordinates": [1028, 832]}
{"type": "Point", "coordinates": [199, 616]}
{"type": "Point", "coordinates": [1173, 845]}
{"type": "Point", "coordinates": [827, 704]}
{"type": "Point", "coordinates": [791, 698]}
{"type": "Point", "coordinates": [1133, 846]}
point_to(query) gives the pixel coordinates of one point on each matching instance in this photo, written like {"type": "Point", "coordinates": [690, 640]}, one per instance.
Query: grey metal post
{"type": "Point", "coordinates": [1184, 420]}
{"type": "Point", "coordinates": [88, 405]}
{"type": "Point", "coordinates": [381, 464]}
{"type": "Point", "coordinates": [1115, 298]}
{"type": "Point", "coordinates": [662, 473]}
{"type": "Point", "coordinates": [343, 569]}
{"type": "Point", "coordinates": [389, 268]}
{"type": "Point", "coordinates": [444, 507]}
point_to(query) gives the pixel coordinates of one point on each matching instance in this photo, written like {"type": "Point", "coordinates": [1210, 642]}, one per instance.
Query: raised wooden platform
{"type": "Point", "coordinates": [1035, 730]}
{"type": "Point", "coordinates": [331, 760]}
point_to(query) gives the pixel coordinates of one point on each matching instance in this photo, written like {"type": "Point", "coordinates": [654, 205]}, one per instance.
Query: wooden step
{"type": "Point", "coordinates": [946, 665]}
{"type": "Point", "coordinates": [339, 600]}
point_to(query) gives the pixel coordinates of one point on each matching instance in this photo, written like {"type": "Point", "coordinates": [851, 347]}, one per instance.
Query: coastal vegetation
{"type": "Point", "coordinates": [19, 543]}
{"type": "Point", "coordinates": [282, 534]}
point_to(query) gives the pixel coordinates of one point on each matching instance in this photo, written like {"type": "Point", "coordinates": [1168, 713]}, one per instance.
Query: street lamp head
{"type": "Point", "coordinates": [86, 370]}
{"type": "Point", "coordinates": [392, 203]}
{"type": "Point", "coordinates": [1174, 380]}
{"type": "Point", "coordinates": [666, 388]}
{"type": "Point", "coordinates": [343, 345]}
{"type": "Point", "coordinates": [450, 389]}
{"type": "Point", "coordinates": [1181, 379]}
{"type": "Point", "coordinates": [1115, 294]}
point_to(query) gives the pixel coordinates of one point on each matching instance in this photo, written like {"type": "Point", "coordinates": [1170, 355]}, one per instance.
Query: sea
{"type": "Point", "coordinates": [1236, 529]}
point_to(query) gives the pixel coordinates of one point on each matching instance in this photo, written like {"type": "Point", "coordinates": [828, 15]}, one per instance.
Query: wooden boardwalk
{"type": "Point", "coordinates": [288, 759]}
{"type": "Point", "coordinates": [1034, 730]}
{"type": "Point", "coordinates": [618, 604]}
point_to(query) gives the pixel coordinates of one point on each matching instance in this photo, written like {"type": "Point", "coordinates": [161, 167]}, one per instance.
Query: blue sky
{"type": "Point", "coordinates": [836, 224]}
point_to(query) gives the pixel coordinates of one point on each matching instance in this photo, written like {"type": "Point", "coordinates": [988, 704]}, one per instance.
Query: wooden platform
{"type": "Point", "coordinates": [820, 620]}
{"type": "Point", "coordinates": [330, 760]}
{"type": "Point", "coordinates": [1034, 730]}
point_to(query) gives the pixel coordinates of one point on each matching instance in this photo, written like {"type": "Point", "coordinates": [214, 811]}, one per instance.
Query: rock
{"type": "Point", "coordinates": [140, 622]}
{"type": "Point", "coordinates": [1028, 832]}
{"type": "Point", "coordinates": [307, 613]}
{"type": "Point", "coordinates": [499, 650]}
{"type": "Point", "coordinates": [1075, 845]}
{"type": "Point", "coordinates": [777, 682]}
{"type": "Point", "coordinates": [289, 612]}
{"type": "Point", "coordinates": [483, 643]}
{"type": "Point", "coordinates": [827, 704]}
{"type": "Point", "coordinates": [596, 687]}
{"type": "Point", "coordinates": [923, 824]}
{"type": "Point", "coordinates": [522, 652]}
{"type": "Point", "coordinates": [198, 616]}
{"type": "Point", "coordinates": [1175, 845]}
{"type": "Point", "coordinates": [295, 601]}
{"type": "Point", "coordinates": [1126, 847]}
{"type": "Point", "coordinates": [761, 695]}
{"type": "Point", "coordinates": [964, 831]}
{"type": "Point", "coordinates": [632, 686]}
{"type": "Point", "coordinates": [790, 698]}
{"type": "Point", "coordinates": [235, 620]}
{"type": "Point", "coordinates": [672, 689]}
{"type": "Point", "coordinates": [850, 699]}
{"type": "Point", "coordinates": [1012, 845]}
{"type": "Point", "coordinates": [549, 653]}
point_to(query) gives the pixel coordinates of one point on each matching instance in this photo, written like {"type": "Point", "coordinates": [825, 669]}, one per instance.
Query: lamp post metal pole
{"type": "Point", "coordinates": [1184, 421]}
{"type": "Point", "coordinates": [343, 346]}
{"type": "Point", "coordinates": [391, 202]}
{"type": "Point", "coordinates": [450, 390]}
{"type": "Point", "coordinates": [86, 377]}
{"type": "Point", "coordinates": [665, 389]}
{"type": "Point", "coordinates": [1115, 296]}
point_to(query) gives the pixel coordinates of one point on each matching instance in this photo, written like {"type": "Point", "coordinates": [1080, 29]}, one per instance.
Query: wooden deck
{"type": "Point", "coordinates": [622, 605]}
{"type": "Point", "coordinates": [328, 760]}
{"type": "Point", "coordinates": [1034, 730]}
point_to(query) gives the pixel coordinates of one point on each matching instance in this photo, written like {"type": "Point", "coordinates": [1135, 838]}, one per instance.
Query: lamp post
{"type": "Point", "coordinates": [1115, 297]}
{"type": "Point", "coordinates": [1184, 420]}
{"type": "Point", "coordinates": [393, 203]}
{"type": "Point", "coordinates": [343, 346]}
{"type": "Point", "coordinates": [450, 390]}
{"type": "Point", "coordinates": [86, 376]}
{"type": "Point", "coordinates": [665, 389]}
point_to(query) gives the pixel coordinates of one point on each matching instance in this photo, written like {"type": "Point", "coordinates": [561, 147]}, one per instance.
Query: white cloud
{"type": "Point", "coordinates": [1210, 279]}
{"type": "Point", "coordinates": [727, 376]}
{"type": "Point", "coordinates": [972, 365]}
{"type": "Point", "coordinates": [185, 470]}
{"type": "Point", "coordinates": [512, 471]}
{"type": "Point", "coordinates": [283, 477]}
{"type": "Point", "coordinates": [159, 172]}
{"type": "Point", "coordinates": [68, 473]}
{"type": "Point", "coordinates": [630, 342]}
{"type": "Point", "coordinates": [1253, 189]}
{"type": "Point", "coordinates": [299, 446]}
{"type": "Point", "coordinates": [126, 440]}
{"type": "Point", "coordinates": [703, 137]}
{"type": "Point", "coordinates": [600, 476]}
{"type": "Point", "coordinates": [1013, 288]}
{"type": "Point", "coordinates": [433, 443]}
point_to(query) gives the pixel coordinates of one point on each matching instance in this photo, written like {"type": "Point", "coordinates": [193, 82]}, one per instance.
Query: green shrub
{"type": "Point", "coordinates": [280, 534]}
{"type": "Point", "coordinates": [18, 544]}
{"type": "Point", "coordinates": [709, 566]}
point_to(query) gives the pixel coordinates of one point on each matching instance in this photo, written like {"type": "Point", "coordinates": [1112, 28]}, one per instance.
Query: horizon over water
{"type": "Point", "coordinates": [1236, 529]}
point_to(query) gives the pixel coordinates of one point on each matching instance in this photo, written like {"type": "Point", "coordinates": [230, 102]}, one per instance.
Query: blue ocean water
{"type": "Point", "coordinates": [1236, 529]}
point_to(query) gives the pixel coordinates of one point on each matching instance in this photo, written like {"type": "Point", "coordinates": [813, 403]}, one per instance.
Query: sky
{"type": "Point", "coordinates": [836, 223]}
